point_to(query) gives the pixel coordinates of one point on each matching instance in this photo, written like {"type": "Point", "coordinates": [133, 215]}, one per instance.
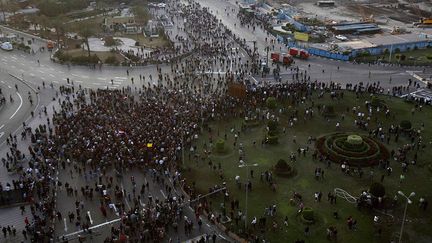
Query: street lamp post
{"type": "Point", "coordinates": [408, 201]}
{"type": "Point", "coordinates": [247, 189]}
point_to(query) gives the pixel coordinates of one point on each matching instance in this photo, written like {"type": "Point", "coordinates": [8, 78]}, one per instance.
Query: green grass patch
{"type": "Point", "coordinates": [266, 156]}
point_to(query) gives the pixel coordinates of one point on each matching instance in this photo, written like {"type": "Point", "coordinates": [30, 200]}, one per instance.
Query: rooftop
{"type": "Point", "coordinates": [396, 39]}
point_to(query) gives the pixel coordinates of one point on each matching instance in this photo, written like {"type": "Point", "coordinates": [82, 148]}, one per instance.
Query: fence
{"type": "Point", "coordinates": [320, 52]}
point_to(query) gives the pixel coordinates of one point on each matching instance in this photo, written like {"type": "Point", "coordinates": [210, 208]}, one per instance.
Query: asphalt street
{"type": "Point", "coordinates": [18, 107]}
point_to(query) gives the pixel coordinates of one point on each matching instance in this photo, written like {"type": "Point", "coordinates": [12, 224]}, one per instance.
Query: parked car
{"type": "Point", "coordinates": [7, 46]}
{"type": "Point", "coordinates": [341, 37]}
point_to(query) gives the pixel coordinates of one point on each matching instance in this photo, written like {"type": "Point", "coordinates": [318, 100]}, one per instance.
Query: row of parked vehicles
{"type": "Point", "coordinates": [287, 58]}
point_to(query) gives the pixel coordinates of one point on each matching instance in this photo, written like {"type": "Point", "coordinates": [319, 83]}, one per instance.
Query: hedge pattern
{"type": "Point", "coordinates": [335, 147]}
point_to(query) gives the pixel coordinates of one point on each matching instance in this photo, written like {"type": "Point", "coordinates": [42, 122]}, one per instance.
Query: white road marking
{"type": "Point", "coordinates": [41, 71]}
{"type": "Point", "coordinates": [9, 87]}
{"type": "Point", "coordinates": [93, 227]}
{"type": "Point", "coordinates": [19, 107]}
{"type": "Point", "coordinates": [78, 81]}
{"type": "Point", "coordinates": [32, 74]}
{"type": "Point", "coordinates": [55, 82]}
{"type": "Point", "coordinates": [65, 225]}
{"type": "Point", "coordinates": [43, 78]}
{"type": "Point", "coordinates": [163, 194]}
{"type": "Point", "coordinates": [90, 217]}
{"type": "Point", "coordinates": [120, 77]}
{"type": "Point", "coordinates": [2, 82]}
{"type": "Point", "coordinates": [222, 237]}
{"type": "Point", "coordinates": [101, 78]}
{"type": "Point", "coordinates": [2, 126]}
{"type": "Point", "coordinates": [52, 75]}
{"type": "Point", "coordinates": [1, 134]}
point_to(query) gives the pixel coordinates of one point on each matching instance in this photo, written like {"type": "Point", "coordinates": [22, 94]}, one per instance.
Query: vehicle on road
{"type": "Point", "coordinates": [341, 37]}
{"type": "Point", "coordinates": [50, 45]}
{"type": "Point", "coordinates": [299, 53]}
{"type": "Point", "coordinates": [6, 46]}
{"type": "Point", "coordinates": [282, 58]}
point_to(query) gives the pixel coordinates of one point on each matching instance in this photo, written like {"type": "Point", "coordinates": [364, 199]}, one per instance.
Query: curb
{"type": "Point", "coordinates": [24, 82]}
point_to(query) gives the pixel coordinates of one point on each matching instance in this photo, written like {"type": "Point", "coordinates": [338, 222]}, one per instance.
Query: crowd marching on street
{"type": "Point", "coordinates": [95, 141]}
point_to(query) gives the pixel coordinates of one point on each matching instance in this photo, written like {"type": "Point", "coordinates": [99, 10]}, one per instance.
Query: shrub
{"type": "Point", "coordinates": [377, 102]}
{"type": "Point", "coordinates": [137, 43]}
{"type": "Point", "coordinates": [282, 165]}
{"type": "Point", "coordinates": [62, 57]}
{"type": "Point", "coordinates": [397, 50]}
{"type": "Point", "coordinates": [271, 102]}
{"type": "Point", "coordinates": [429, 57]}
{"type": "Point", "coordinates": [272, 125]}
{"type": "Point", "coordinates": [308, 214]}
{"type": "Point", "coordinates": [328, 111]}
{"type": "Point", "coordinates": [337, 149]}
{"type": "Point", "coordinates": [272, 139]}
{"type": "Point", "coordinates": [405, 124]}
{"type": "Point", "coordinates": [377, 189]}
{"type": "Point", "coordinates": [111, 60]}
{"type": "Point", "coordinates": [80, 60]}
{"type": "Point", "coordinates": [354, 140]}
{"type": "Point", "coordinates": [220, 146]}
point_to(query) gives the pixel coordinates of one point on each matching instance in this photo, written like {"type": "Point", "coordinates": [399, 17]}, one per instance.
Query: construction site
{"type": "Point", "coordinates": [351, 28]}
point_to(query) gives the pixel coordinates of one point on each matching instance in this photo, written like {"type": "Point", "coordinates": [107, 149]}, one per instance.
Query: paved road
{"type": "Point", "coordinates": [18, 109]}
{"type": "Point", "coordinates": [348, 72]}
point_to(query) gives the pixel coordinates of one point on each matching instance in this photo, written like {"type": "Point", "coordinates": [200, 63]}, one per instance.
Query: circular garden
{"type": "Point", "coordinates": [357, 150]}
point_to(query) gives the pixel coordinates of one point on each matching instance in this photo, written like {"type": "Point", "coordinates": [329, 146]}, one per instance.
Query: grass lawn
{"type": "Point", "coordinates": [414, 57]}
{"type": "Point", "coordinates": [101, 54]}
{"type": "Point", "coordinates": [417, 178]}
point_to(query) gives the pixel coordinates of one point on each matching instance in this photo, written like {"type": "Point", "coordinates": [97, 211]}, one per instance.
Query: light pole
{"type": "Point", "coordinates": [247, 189]}
{"type": "Point", "coordinates": [408, 201]}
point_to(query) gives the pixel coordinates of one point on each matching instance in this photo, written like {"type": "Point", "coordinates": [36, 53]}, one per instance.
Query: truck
{"type": "Point", "coordinates": [299, 53]}
{"type": "Point", "coordinates": [50, 46]}
{"type": "Point", "coordinates": [283, 58]}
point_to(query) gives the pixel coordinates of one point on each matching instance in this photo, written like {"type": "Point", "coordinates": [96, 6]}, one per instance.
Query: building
{"type": "Point", "coordinates": [123, 22]}
{"type": "Point", "coordinates": [355, 28]}
{"type": "Point", "coordinates": [377, 45]}
{"type": "Point", "coordinates": [388, 43]}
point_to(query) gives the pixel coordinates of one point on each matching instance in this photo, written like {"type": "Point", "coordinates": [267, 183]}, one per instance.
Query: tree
{"type": "Point", "coordinates": [377, 189]}
{"type": "Point", "coordinates": [43, 21]}
{"type": "Point", "coordinates": [50, 8]}
{"type": "Point", "coordinates": [12, 7]}
{"type": "Point", "coordinates": [85, 30]}
{"type": "Point", "coordinates": [59, 24]}
{"type": "Point", "coordinates": [141, 15]}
